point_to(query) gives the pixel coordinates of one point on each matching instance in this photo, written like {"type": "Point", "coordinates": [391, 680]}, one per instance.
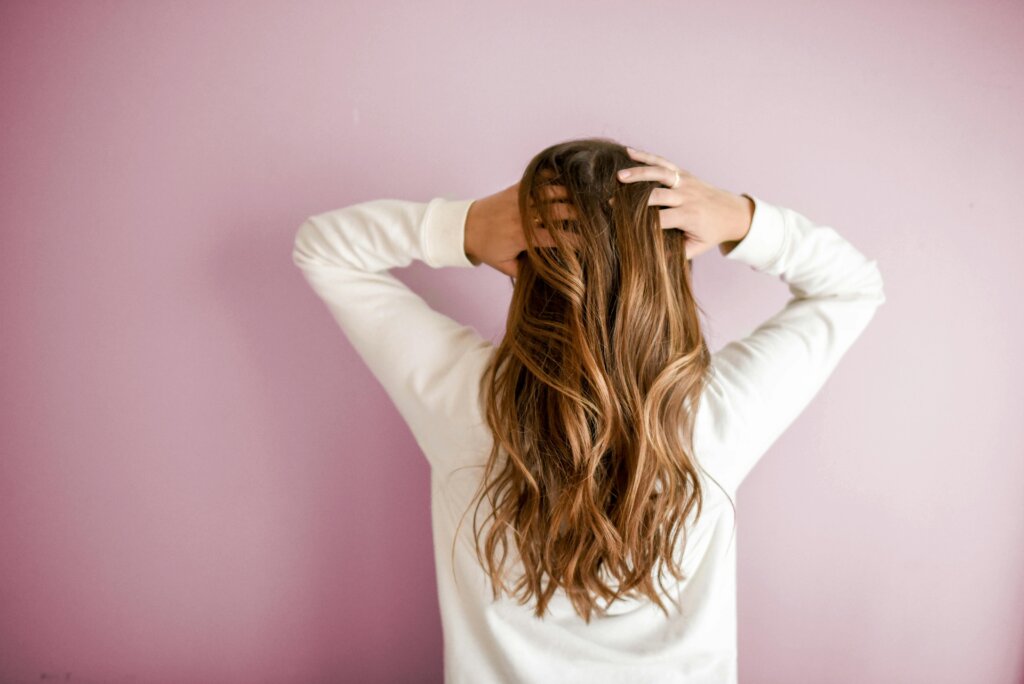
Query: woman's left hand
{"type": "Point", "coordinates": [494, 228]}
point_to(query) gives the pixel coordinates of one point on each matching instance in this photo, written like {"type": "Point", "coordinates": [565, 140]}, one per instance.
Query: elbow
{"type": "Point", "coordinates": [865, 286]}
{"type": "Point", "coordinates": [877, 289]}
{"type": "Point", "coordinates": [303, 245]}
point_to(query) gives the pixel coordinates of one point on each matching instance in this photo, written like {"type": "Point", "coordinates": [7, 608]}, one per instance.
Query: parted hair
{"type": "Point", "coordinates": [592, 392]}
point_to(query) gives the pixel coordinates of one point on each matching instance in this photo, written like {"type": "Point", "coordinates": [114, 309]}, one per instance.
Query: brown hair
{"type": "Point", "coordinates": [592, 391]}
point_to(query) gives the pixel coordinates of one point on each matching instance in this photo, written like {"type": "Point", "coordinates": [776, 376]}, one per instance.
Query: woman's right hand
{"type": "Point", "coordinates": [709, 216]}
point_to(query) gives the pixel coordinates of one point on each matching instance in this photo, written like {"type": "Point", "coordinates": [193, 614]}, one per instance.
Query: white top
{"type": "Point", "coordinates": [430, 366]}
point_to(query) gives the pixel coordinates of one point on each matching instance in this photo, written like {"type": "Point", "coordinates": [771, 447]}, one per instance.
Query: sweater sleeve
{"type": "Point", "coordinates": [413, 350]}
{"type": "Point", "coordinates": [760, 383]}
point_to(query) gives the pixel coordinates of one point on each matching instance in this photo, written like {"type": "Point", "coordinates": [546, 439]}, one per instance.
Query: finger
{"type": "Point", "coordinates": [546, 239]}
{"type": "Point", "coordinates": [667, 219]}
{"type": "Point", "coordinates": [673, 218]}
{"type": "Point", "coordinates": [551, 192]}
{"type": "Point", "coordinates": [648, 173]}
{"type": "Point", "coordinates": [559, 211]}
{"type": "Point", "coordinates": [665, 197]}
{"type": "Point", "coordinates": [563, 211]}
{"type": "Point", "coordinates": [543, 238]}
{"type": "Point", "coordinates": [650, 158]}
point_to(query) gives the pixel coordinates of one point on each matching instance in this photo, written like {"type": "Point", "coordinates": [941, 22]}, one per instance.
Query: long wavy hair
{"type": "Point", "coordinates": [591, 393]}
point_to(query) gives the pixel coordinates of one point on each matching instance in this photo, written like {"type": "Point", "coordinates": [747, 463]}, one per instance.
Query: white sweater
{"type": "Point", "coordinates": [430, 365]}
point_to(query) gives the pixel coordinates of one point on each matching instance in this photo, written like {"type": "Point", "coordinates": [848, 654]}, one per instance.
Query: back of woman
{"type": "Point", "coordinates": [584, 469]}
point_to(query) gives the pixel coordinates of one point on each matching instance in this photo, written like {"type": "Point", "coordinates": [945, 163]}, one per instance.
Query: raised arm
{"type": "Point", "coordinates": [415, 352]}
{"type": "Point", "coordinates": [760, 383]}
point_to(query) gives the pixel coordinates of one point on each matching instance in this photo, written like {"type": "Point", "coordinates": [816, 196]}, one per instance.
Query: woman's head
{"type": "Point", "coordinates": [582, 175]}
{"type": "Point", "coordinates": [592, 391]}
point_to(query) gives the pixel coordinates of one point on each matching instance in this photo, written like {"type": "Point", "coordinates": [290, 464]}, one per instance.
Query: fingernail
{"type": "Point", "coordinates": [624, 174]}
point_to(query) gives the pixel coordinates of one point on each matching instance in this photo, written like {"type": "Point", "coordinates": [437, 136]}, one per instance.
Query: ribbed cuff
{"type": "Point", "coordinates": [444, 233]}
{"type": "Point", "coordinates": [764, 241]}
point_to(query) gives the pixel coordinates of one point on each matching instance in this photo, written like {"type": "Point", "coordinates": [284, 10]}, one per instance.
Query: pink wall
{"type": "Point", "coordinates": [198, 477]}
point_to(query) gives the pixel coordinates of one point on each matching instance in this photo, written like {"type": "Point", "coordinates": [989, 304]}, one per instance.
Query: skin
{"type": "Point", "coordinates": [709, 216]}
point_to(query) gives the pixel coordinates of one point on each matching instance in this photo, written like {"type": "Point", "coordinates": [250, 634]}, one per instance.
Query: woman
{"type": "Point", "coordinates": [590, 436]}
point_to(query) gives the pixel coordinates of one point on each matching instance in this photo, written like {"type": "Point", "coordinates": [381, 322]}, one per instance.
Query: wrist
{"type": "Point", "coordinates": [470, 233]}
{"type": "Point", "coordinates": [745, 215]}
{"type": "Point", "coordinates": [740, 225]}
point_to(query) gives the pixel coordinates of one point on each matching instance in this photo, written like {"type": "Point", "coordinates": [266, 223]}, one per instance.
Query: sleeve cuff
{"type": "Point", "coordinates": [444, 233]}
{"type": "Point", "coordinates": [763, 242]}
